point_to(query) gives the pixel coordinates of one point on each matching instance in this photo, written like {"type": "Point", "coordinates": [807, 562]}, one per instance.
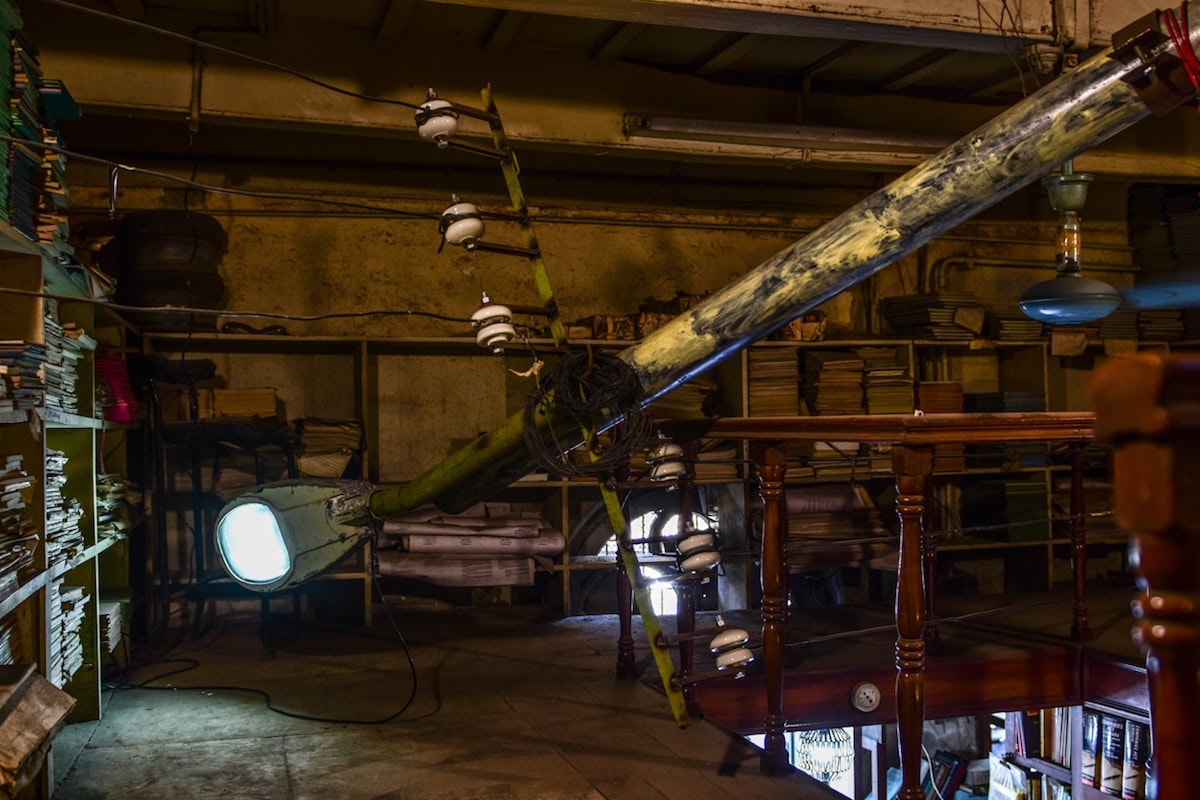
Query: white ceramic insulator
{"type": "Point", "coordinates": [695, 542]}
{"type": "Point", "coordinates": [701, 561]}
{"type": "Point", "coordinates": [438, 127]}
{"type": "Point", "coordinates": [465, 230]}
{"type": "Point", "coordinates": [728, 639]}
{"type": "Point", "coordinates": [735, 658]}
{"type": "Point", "coordinates": [666, 452]}
{"type": "Point", "coordinates": [667, 470]}
{"type": "Point", "coordinates": [495, 334]}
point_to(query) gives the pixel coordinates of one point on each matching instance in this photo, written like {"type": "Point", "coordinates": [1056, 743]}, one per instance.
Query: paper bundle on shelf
{"type": "Point", "coordinates": [488, 545]}
{"type": "Point", "coordinates": [110, 625]}
{"type": "Point", "coordinates": [18, 532]}
{"type": "Point", "coordinates": [328, 447]}
{"type": "Point", "coordinates": [833, 382]}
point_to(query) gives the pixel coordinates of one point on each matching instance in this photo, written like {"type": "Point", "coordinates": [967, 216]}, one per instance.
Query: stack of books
{"type": "Point", "coordinates": [943, 397]}
{"type": "Point", "coordinates": [1013, 326]}
{"type": "Point", "coordinates": [65, 346]}
{"type": "Point", "coordinates": [18, 533]}
{"type": "Point", "coordinates": [64, 536]}
{"type": "Point", "coordinates": [692, 400]}
{"type": "Point", "coordinates": [833, 382]}
{"type": "Point", "coordinates": [774, 382]}
{"type": "Point", "coordinates": [887, 384]}
{"type": "Point", "coordinates": [110, 625]}
{"type": "Point", "coordinates": [74, 600]}
{"type": "Point", "coordinates": [1161, 325]}
{"type": "Point", "coordinates": [112, 506]}
{"type": "Point", "coordinates": [328, 447]}
{"type": "Point", "coordinates": [716, 461]}
{"type": "Point", "coordinates": [943, 316]}
{"type": "Point", "coordinates": [1120, 324]}
{"type": "Point", "coordinates": [23, 364]}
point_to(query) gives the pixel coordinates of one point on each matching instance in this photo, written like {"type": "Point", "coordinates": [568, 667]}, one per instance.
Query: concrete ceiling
{"type": "Point", "coordinates": [819, 93]}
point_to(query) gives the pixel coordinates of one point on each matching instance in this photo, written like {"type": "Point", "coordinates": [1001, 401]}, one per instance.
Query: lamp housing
{"type": "Point", "coordinates": [280, 535]}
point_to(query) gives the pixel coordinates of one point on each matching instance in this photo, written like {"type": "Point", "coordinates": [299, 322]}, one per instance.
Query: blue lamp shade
{"type": "Point", "coordinates": [1069, 299]}
{"type": "Point", "coordinates": [280, 535]}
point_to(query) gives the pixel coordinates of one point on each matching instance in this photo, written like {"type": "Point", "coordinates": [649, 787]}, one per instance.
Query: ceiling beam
{"type": "Point", "coordinates": [730, 54]}
{"type": "Point", "coordinates": [395, 19]}
{"type": "Point", "coordinates": [501, 37]}
{"type": "Point", "coordinates": [620, 36]}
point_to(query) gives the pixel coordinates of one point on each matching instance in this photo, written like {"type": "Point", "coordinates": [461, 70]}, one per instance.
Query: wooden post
{"type": "Point", "coordinates": [626, 668]}
{"type": "Point", "coordinates": [1148, 407]}
{"type": "Point", "coordinates": [771, 459]}
{"type": "Point", "coordinates": [912, 465]}
{"type": "Point", "coordinates": [1080, 628]}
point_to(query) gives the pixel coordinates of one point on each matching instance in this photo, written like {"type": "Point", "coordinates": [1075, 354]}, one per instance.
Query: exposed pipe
{"type": "Point", "coordinates": [1073, 113]}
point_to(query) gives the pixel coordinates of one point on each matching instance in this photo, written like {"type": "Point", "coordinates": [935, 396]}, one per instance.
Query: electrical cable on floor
{"type": "Point", "coordinates": [193, 664]}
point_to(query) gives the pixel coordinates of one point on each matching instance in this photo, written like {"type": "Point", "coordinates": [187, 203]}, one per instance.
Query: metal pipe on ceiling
{"type": "Point", "coordinates": [1082, 108]}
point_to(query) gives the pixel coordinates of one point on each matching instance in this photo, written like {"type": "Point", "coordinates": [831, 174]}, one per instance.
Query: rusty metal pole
{"type": "Point", "coordinates": [1082, 108]}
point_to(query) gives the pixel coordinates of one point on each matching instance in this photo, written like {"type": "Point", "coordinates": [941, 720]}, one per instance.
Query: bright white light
{"type": "Point", "coordinates": [251, 543]}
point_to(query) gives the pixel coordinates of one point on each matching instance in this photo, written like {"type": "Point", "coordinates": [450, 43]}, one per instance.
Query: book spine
{"type": "Point", "coordinates": [1090, 749]}
{"type": "Point", "coordinates": [1112, 754]}
{"type": "Point", "coordinates": [1137, 747]}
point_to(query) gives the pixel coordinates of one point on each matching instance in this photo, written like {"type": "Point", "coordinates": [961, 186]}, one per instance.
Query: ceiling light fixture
{"type": "Point", "coordinates": [814, 137]}
{"type": "Point", "coordinates": [1069, 298]}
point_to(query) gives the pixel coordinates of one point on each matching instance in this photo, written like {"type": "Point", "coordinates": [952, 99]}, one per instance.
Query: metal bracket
{"type": "Point", "coordinates": [1163, 81]}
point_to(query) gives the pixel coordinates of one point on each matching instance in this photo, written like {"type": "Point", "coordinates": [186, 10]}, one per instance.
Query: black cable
{"type": "Point", "coordinates": [216, 312]}
{"type": "Point", "coordinates": [192, 184]}
{"type": "Point", "coordinates": [266, 696]}
{"type": "Point", "coordinates": [215, 48]}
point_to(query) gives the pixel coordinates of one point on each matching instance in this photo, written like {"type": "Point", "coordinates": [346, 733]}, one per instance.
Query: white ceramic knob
{"type": "Point", "coordinates": [437, 122]}
{"type": "Point", "coordinates": [462, 225]}
{"type": "Point", "coordinates": [728, 639]}
{"type": "Point", "coordinates": [701, 561]}
{"type": "Point", "coordinates": [735, 658]}
{"type": "Point", "coordinates": [667, 471]}
{"type": "Point", "coordinates": [695, 542]}
{"type": "Point", "coordinates": [495, 334]}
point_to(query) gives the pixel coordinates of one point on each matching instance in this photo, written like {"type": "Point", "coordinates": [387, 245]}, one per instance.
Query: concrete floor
{"type": "Point", "coordinates": [509, 703]}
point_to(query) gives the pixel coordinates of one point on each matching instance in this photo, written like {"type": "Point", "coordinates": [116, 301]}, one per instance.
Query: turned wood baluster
{"type": "Point", "coordinates": [687, 587]}
{"type": "Point", "coordinates": [912, 466]}
{"type": "Point", "coordinates": [1148, 406]}
{"type": "Point", "coordinates": [929, 566]}
{"type": "Point", "coordinates": [771, 460]}
{"type": "Point", "coordinates": [626, 666]}
{"type": "Point", "coordinates": [1080, 628]}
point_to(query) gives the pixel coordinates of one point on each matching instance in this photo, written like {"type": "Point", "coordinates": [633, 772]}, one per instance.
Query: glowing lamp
{"type": "Point", "coordinates": [280, 535]}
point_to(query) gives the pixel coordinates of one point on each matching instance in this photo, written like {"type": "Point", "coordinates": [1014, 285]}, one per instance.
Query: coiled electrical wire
{"type": "Point", "coordinates": [586, 389]}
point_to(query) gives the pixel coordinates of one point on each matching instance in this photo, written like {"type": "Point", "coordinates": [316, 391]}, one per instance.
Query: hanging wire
{"type": "Point", "coordinates": [214, 312]}
{"type": "Point", "coordinates": [116, 167]}
{"type": "Point", "coordinates": [586, 387]}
